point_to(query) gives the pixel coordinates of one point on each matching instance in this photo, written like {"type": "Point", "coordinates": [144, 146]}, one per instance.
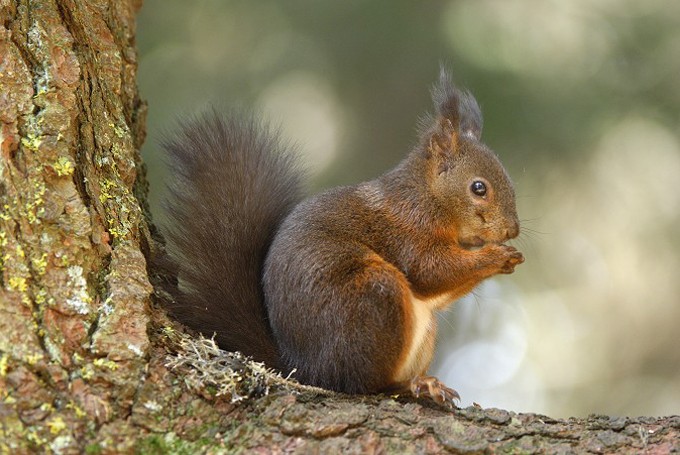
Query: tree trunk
{"type": "Point", "coordinates": [74, 305]}
{"type": "Point", "coordinates": [87, 363]}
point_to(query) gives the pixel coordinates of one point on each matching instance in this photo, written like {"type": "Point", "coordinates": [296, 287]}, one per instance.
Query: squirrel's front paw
{"type": "Point", "coordinates": [506, 258]}
{"type": "Point", "coordinates": [513, 258]}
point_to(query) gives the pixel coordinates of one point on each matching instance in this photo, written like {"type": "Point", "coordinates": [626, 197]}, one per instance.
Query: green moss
{"type": "Point", "coordinates": [4, 360]}
{"type": "Point", "coordinates": [40, 264]}
{"type": "Point", "coordinates": [93, 449]}
{"type": "Point", "coordinates": [76, 409]}
{"type": "Point", "coordinates": [31, 142]}
{"type": "Point", "coordinates": [170, 443]}
{"type": "Point", "coordinates": [56, 425]}
{"type": "Point", "coordinates": [105, 188]}
{"type": "Point", "coordinates": [111, 365]}
{"type": "Point", "coordinates": [120, 132]}
{"type": "Point", "coordinates": [63, 166]}
{"type": "Point", "coordinates": [17, 283]}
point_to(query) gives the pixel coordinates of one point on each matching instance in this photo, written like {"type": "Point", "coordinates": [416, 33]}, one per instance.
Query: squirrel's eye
{"type": "Point", "coordinates": [478, 187]}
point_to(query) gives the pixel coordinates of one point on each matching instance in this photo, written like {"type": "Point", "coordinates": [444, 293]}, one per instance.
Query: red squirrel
{"type": "Point", "coordinates": [341, 288]}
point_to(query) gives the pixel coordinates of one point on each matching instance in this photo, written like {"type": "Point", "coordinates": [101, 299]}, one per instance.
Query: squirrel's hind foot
{"type": "Point", "coordinates": [429, 386]}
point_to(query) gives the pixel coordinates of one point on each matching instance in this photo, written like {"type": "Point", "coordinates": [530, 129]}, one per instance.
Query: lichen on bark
{"type": "Point", "coordinates": [75, 294]}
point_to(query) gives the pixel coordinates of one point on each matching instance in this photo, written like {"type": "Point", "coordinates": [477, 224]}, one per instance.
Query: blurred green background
{"type": "Point", "coordinates": [581, 101]}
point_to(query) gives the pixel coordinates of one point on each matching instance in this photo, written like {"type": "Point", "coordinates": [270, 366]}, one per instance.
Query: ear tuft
{"type": "Point", "coordinates": [457, 106]}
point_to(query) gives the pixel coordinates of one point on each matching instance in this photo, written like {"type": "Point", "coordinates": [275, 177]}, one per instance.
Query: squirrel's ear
{"type": "Point", "coordinates": [457, 110]}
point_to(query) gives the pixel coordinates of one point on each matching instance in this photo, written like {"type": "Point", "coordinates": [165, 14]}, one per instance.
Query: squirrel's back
{"type": "Point", "coordinates": [233, 182]}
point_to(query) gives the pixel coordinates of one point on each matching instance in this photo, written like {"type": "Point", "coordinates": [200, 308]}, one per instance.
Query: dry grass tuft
{"type": "Point", "coordinates": [211, 372]}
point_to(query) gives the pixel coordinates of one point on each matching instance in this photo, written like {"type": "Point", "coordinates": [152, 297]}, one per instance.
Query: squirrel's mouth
{"type": "Point", "coordinates": [472, 243]}
{"type": "Point", "coordinates": [476, 243]}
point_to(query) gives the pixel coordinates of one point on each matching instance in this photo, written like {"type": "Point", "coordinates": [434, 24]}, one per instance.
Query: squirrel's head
{"type": "Point", "coordinates": [471, 190]}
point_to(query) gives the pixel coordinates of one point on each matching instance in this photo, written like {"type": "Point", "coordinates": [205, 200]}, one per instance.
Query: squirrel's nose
{"type": "Point", "coordinates": [513, 230]}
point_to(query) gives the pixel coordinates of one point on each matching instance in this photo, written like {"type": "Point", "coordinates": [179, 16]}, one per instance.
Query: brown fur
{"type": "Point", "coordinates": [348, 271]}
{"type": "Point", "coordinates": [225, 203]}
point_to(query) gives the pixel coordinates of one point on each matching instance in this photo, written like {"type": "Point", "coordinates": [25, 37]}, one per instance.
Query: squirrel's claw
{"type": "Point", "coordinates": [429, 386]}
{"type": "Point", "coordinates": [514, 258]}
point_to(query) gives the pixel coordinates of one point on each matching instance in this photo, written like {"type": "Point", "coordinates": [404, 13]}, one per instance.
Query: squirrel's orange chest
{"type": "Point", "coordinates": [419, 340]}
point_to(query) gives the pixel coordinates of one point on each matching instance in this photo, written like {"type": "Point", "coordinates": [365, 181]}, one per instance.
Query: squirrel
{"type": "Point", "coordinates": [341, 288]}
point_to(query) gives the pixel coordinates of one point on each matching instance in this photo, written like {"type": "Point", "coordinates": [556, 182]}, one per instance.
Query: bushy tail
{"type": "Point", "coordinates": [232, 182]}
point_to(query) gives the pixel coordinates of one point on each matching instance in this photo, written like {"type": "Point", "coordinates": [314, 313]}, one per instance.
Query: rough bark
{"type": "Point", "coordinates": [75, 295]}
{"type": "Point", "coordinates": [87, 363]}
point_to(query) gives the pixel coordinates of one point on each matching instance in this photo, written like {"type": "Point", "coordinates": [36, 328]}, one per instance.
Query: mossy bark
{"type": "Point", "coordinates": [74, 301]}
{"type": "Point", "coordinates": [83, 353]}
